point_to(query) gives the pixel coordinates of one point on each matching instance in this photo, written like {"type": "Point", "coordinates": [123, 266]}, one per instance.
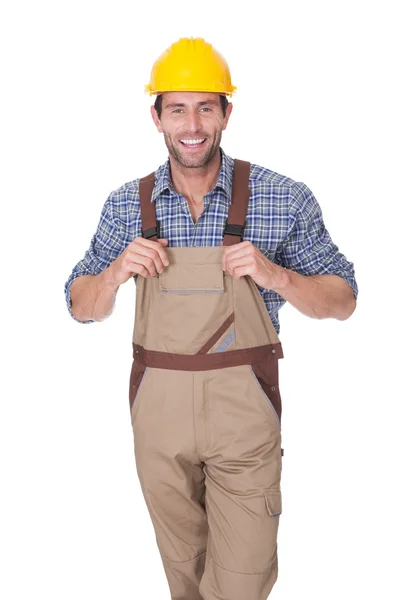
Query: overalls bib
{"type": "Point", "coordinates": [206, 415]}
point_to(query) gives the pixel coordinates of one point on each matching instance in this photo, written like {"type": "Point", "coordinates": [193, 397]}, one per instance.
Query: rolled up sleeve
{"type": "Point", "coordinates": [308, 248]}
{"type": "Point", "coordinates": [105, 246]}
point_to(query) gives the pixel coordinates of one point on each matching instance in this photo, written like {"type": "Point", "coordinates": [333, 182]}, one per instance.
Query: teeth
{"type": "Point", "coordinates": [192, 141]}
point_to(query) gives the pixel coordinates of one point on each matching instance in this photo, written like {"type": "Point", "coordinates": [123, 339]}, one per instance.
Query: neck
{"type": "Point", "coordinates": [193, 183]}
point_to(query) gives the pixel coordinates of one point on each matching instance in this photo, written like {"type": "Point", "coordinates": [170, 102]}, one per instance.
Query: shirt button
{"type": "Point", "coordinates": [273, 389]}
{"type": "Point", "coordinates": [273, 350]}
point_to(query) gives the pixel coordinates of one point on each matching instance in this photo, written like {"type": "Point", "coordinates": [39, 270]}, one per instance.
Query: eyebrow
{"type": "Point", "coordinates": [181, 104]}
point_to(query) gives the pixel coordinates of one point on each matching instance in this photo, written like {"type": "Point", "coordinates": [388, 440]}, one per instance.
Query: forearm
{"type": "Point", "coordinates": [93, 296]}
{"type": "Point", "coordinates": [317, 296]}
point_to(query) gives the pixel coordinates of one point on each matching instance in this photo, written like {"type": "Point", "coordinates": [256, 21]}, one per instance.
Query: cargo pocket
{"type": "Point", "coordinates": [265, 372]}
{"type": "Point", "coordinates": [137, 373]}
{"type": "Point", "coordinates": [273, 500]}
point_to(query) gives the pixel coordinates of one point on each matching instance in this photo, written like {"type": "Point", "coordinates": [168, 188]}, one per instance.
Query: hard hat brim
{"type": "Point", "coordinates": [152, 92]}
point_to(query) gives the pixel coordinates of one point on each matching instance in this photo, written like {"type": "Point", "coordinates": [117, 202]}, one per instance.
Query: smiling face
{"type": "Point", "coordinates": [192, 124]}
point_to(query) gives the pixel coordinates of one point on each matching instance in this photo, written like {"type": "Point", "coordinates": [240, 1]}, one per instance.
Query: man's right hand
{"type": "Point", "coordinates": [141, 257]}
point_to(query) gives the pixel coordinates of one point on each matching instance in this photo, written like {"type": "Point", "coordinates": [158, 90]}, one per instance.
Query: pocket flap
{"type": "Point", "coordinates": [273, 499]}
{"type": "Point", "coordinates": [192, 278]}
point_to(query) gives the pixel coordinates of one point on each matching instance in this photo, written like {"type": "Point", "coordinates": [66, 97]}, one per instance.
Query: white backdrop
{"type": "Point", "coordinates": [316, 101]}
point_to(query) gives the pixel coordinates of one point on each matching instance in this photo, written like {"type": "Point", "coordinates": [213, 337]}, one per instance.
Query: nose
{"type": "Point", "coordinates": [193, 121]}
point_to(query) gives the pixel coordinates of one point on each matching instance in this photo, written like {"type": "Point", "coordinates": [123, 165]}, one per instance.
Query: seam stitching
{"type": "Point", "coordinates": [273, 561]}
{"type": "Point", "coordinates": [182, 561]}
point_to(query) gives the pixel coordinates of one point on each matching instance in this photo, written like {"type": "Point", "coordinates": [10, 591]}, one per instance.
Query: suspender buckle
{"type": "Point", "coordinates": [148, 233]}
{"type": "Point", "coordinates": [231, 229]}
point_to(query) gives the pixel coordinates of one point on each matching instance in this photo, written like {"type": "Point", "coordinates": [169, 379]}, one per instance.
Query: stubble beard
{"type": "Point", "coordinates": [194, 162]}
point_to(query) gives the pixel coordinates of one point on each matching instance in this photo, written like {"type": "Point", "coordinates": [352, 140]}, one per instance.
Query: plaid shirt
{"type": "Point", "coordinates": [284, 221]}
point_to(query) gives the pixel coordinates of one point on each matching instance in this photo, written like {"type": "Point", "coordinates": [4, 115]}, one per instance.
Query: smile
{"type": "Point", "coordinates": [193, 142]}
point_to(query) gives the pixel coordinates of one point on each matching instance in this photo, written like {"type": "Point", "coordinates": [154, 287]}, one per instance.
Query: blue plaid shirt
{"type": "Point", "coordinates": [284, 220]}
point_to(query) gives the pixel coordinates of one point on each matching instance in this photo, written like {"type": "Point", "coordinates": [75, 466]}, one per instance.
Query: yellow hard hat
{"type": "Point", "coordinates": [190, 65]}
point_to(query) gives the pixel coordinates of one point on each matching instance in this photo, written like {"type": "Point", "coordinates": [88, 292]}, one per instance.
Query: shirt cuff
{"type": "Point", "coordinates": [67, 292]}
{"type": "Point", "coordinates": [351, 281]}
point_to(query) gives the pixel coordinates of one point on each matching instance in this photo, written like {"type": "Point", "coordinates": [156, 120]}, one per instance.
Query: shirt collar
{"type": "Point", "coordinates": [224, 181]}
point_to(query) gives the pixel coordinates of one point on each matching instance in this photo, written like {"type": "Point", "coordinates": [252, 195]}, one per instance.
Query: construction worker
{"type": "Point", "coordinates": [216, 247]}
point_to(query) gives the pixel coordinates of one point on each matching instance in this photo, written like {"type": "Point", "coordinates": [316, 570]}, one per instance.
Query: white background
{"type": "Point", "coordinates": [316, 101]}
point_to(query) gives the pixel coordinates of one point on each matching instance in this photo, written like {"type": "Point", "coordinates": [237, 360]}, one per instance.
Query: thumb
{"type": "Point", "coordinates": [163, 241]}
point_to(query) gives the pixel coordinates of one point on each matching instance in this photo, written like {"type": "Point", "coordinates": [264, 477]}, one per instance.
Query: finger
{"type": "Point", "coordinates": [162, 253]}
{"type": "Point", "coordinates": [146, 261]}
{"type": "Point", "coordinates": [241, 269]}
{"type": "Point", "coordinates": [152, 255]}
{"type": "Point", "coordinates": [239, 259]}
{"type": "Point", "coordinates": [155, 246]}
{"type": "Point", "coordinates": [234, 255]}
{"type": "Point", "coordinates": [239, 251]}
{"type": "Point", "coordinates": [228, 259]}
{"type": "Point", "coordinates": [228, 251]}
{"type": "Point", "coordinates": [139, 269]}
{"type": "Point", "coordinates": [244, 265]}
{"type": "Point", "coordinates": [160, 249]}
{"type": "Point", "coordinates": [240, 272]}
{"type": "Point", "coordinates": [237, 247]}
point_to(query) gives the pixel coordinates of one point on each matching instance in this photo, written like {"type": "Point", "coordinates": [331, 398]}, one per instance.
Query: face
{"type": "Point", "coordinates": [192, 124]}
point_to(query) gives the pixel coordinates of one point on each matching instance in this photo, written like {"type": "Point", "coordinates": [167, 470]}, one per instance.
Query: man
{"type": "Point", "coordinates": [216, 247]}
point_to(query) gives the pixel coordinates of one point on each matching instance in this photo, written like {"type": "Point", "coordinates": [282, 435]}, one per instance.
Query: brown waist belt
{"type": "Point", "coordinates": [205, 362]}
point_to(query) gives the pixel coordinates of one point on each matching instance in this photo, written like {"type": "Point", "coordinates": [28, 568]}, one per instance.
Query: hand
{"type": "Point", "coordinates": [245, 259]}
{"type": "Point", "coordinates": [141, 257]}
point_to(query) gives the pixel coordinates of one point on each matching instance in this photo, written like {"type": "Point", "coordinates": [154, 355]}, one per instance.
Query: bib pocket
{"type": "Point", "coordinates": [193, 302]}
{"type": "Point", "coordinates": [192, 278]}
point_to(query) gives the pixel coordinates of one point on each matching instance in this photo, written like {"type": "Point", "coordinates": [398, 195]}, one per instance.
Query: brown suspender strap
{"type": "Point", "coordinates": [234, 226]}
{"type": "Point", "coordinates": [150, 229]}
{"type": "Point", "coordinates": [235, 223]}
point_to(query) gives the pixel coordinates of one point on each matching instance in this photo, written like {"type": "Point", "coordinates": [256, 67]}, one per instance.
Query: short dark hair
{"type": "Point", "coordinates": [158, 104]}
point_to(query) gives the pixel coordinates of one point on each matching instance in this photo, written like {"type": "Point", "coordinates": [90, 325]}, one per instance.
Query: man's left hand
{"type": "Point", "coordinates": [245, 259]}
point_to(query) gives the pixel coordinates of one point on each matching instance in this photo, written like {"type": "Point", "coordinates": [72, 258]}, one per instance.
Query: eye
{"type": "Point", "coordinates": [177, 110]}
{"type": "Point", "coordinates": [205, 108]}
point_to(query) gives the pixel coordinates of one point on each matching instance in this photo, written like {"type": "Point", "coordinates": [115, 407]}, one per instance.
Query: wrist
{"type": "Point", "coordinates": [109, 279]}
{"type": "Point", "coordinates": [283, 280]}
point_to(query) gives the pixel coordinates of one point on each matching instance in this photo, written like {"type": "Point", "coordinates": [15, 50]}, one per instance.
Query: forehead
{"type": "Point", "coordinates": [189, 98]}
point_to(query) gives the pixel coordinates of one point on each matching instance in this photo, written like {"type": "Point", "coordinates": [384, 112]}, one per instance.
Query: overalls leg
{"type": "Point", "coordinates": [172, 476]}
{"type": "Point", "coordinates": [240, 441]}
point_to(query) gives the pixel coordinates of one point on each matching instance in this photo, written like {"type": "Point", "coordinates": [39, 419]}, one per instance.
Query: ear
{"type": "Point", "coordinates": [227, 115]}
{"type": "Point", "coordinates": [156, 120]}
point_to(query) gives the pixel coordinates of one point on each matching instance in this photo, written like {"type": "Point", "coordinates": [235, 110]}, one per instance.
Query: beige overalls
{"type": "Point", "coordinates": [206, 411]}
